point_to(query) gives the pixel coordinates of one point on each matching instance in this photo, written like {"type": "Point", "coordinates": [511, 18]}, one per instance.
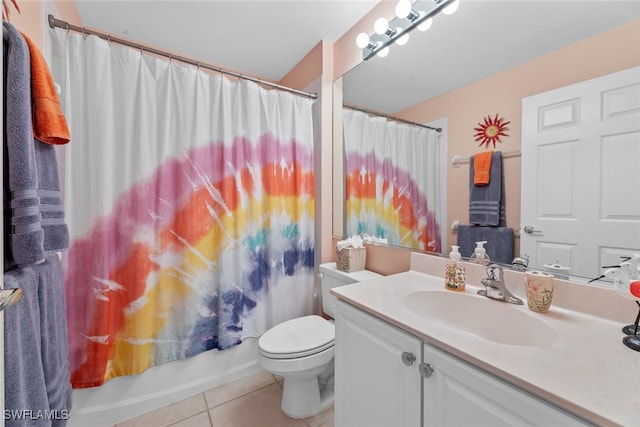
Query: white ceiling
{"type": "Point", "coordinates": [268, 38]}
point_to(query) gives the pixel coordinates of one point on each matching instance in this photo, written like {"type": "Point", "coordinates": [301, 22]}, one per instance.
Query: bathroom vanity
{"type": "Point", "coordinates": [409, 353]}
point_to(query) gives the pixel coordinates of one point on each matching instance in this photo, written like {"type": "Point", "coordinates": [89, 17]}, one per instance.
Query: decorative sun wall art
{"type": "Point", "coordinates": [491, 130]}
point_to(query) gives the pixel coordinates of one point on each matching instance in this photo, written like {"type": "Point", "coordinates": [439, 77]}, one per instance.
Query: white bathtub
{"type": "Point", "coordinates": [126, 397]}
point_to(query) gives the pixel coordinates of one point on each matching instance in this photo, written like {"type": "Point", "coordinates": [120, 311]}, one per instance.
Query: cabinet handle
{"type": "Point", "coordinates": [425, 370]}
{"type": "Point", "coordinates": [408, 358]}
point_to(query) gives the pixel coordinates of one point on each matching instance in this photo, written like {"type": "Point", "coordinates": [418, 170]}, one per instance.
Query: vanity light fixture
{"type": "Point", "coordinates": [451, 8]}
{"type": "Point", "coordinates": [408, 16]}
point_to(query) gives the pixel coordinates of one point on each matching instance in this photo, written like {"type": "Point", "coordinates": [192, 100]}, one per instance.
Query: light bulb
{"type": "Point", "coordinates": [384, 52]}
{"type": "Point", "coordinates": [403, 8]}
{"type": "Point", "coordinates": [362, 40]}
{"type": "Point", "coordinates": [451, 7]}
{"type": "Point", "coordinates": [403, 39]}
{"type": "Point", "coordinates": [381, 25]}
{"type": "Point", "coordinates": [425, 25]}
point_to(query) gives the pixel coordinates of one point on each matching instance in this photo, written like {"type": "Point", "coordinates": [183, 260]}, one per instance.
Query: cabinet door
{"type": "Point", "coordinates": [459, 394]}
{"type": "Point", "coordinates": [375, 385]}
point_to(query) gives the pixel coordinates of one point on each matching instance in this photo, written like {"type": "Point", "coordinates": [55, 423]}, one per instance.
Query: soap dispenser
{"type": "Point", "coordinates": [454, 279]}
{"type": "Point", "coordinates": [480, 254]}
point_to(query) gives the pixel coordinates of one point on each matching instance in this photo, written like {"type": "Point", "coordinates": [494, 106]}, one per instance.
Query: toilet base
{"type": "Point", "coordinates": [306, 397]}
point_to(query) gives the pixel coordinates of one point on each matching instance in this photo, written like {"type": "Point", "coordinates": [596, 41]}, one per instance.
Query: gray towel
{"type": "Point", "coordinates": [486, 202]}
{"type": "Point", "coordinates": [27, 236]}
{"type": "Point", "coordinates": [56, 233]}
{"type": "Point", "coordinates": [499, 240]}
{"type": "Point", "coordinates": [35, 206]}
{"type": "Point", "coordinates": [36, 351]}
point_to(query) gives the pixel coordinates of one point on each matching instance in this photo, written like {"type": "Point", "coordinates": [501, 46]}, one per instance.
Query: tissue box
{"type": "Point", "coordinates": [351, 259]}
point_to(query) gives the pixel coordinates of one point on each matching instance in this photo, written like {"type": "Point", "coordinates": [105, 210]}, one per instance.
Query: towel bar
{"type": "Point", "coordinates": [456, 161]}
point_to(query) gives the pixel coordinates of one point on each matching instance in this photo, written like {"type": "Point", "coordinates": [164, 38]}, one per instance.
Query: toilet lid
{"type": "Point", "coordinates": [298, 337]}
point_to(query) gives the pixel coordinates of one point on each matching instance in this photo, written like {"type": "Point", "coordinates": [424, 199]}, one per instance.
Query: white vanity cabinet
{"type": "Point", "coordinates": [385, 377]}
{"type": "Point", "coordinates": [459, 394]}
{"type": "Point", "coordinates": [376, 372]}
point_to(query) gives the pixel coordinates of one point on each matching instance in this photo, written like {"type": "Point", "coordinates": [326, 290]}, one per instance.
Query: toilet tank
{"type": "Point", "coordinates": [332, 277]}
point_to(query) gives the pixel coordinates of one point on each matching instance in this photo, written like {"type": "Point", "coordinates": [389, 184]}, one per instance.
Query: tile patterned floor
{"type": "Point", "coordinates": [249, 402]}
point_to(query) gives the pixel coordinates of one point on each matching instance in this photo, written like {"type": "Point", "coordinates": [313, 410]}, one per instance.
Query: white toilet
{"type": "Point", "coordinates": [301, 350]}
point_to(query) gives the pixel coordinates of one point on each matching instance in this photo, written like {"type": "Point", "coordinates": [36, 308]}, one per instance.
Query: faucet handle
{"type": "Point", "coordinates": [495, 272]}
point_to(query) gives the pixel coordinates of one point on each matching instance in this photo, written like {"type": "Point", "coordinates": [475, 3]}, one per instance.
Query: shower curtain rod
{"type": "Point", "coordinates": [55, 22]}
{"type": "Point", "coordinates": [386, 116]}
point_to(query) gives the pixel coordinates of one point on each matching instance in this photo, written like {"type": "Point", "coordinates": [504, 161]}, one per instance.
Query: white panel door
{"type": "Point", "coordinates": [581, 174]}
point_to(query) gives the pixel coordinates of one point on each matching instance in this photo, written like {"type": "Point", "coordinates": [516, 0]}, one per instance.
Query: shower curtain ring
{"type": "Point", "coordinates": [84, 35]}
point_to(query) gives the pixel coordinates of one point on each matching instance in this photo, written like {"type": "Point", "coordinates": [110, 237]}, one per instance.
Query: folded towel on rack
{"type": "Point", "coordinates": [49, 123]}
{"type": "Point", "coordinates": [37, 374]}
{"type": "Point", "coordinates": [482, 167]}
{"type": "Point", "coordinates": [487, 202]}
{"type": "Point", "coordinates": [27, 236]}
{"type": "Point", "coordinates": [499, 240]}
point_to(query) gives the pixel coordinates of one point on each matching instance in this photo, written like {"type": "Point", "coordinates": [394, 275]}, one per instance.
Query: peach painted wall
{"type": "Point", "coordinates": [32, 20]}
{"type": "Point", "coordinates": [502, 93]}
{"type": "Point", "coordinates": [29, 20]}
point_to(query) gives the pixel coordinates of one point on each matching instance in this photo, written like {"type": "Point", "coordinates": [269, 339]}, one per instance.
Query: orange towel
{"type": "Point", "coordinates": [49, 123]}
{"type": "Point", "coordinates": [482, 168]}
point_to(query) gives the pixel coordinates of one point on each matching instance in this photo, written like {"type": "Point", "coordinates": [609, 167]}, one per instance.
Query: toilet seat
{"type": "Point", "coordinates": [300, 337]}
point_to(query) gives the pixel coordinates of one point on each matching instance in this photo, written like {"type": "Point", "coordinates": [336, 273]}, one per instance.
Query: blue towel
{"type": "Point", "coordinates": [34, 215]}
{"type": "Point", "coordinates": [487, 202]}
{"type": "Point", "coordinates": [36, 363]}
{"type": "Point", "coordinates": [499, 240]}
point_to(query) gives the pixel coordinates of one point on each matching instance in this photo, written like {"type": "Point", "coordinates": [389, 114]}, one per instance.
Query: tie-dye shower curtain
{"type": "Point", "coordinates": [393, 177]}
{"type": "Point", "coordinates": [190, 203]}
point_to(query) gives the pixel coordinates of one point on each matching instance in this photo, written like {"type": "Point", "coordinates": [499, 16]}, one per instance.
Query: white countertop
{"type": "Point", "coordinates": [586, 370]}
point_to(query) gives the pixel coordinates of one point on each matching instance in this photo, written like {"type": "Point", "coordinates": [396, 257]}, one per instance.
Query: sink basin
{"type": "Point", "coordinates": [490, 320]}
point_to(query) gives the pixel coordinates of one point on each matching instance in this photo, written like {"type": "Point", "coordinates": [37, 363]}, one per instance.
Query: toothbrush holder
{"type": "Point", "coordinates": [539, 288]}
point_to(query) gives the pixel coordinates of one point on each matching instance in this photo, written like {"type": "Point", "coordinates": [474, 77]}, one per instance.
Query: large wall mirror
{"type": "Point", "coordinates": [484, 60]}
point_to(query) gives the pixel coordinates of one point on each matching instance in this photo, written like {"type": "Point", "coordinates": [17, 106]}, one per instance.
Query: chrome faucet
{"type": "Point", "coordinates": [495, 287]}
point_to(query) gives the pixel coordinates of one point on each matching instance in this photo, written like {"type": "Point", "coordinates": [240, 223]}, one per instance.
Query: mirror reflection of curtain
{"type": "Point", "coordinates": [392, 173]}
{"type": "Point", "coordinates": [190, 203]}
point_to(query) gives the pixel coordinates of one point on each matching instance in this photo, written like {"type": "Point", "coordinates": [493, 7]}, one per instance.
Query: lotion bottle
{"type": "Point", "coordinates": [454, 279]}
{"type": "Point", "coordinates": [480, 254]}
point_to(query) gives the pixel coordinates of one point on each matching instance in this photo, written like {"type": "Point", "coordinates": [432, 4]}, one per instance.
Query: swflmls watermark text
{"type": "Point", "coordinates": [32, 414]}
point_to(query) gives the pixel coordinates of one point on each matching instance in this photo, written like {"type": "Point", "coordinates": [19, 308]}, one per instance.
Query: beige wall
{"type": "Point", "coordinates": [32, 20]}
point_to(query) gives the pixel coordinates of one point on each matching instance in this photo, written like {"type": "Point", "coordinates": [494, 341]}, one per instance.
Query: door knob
{"type": "Point", "coordinates": [530, 230]}
{"type": "Point", "coordinates": [408, 358]}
